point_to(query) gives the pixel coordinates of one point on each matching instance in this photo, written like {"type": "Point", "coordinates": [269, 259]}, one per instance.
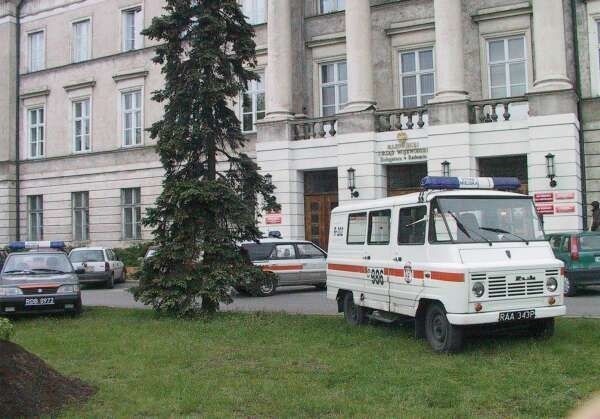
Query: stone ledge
{"type": "Point", "coordinates": [523, 8]}
{"type": "Point", "coordinates": [80, 85]}
{"type": "Point", "coordinates": [410, 26]}
{"type": "Point", "coordinates": [130, 74]}
{"type": "Point", "coordinates": [327, 39]}
{"type": "Point", "coordinates": [41, 91]}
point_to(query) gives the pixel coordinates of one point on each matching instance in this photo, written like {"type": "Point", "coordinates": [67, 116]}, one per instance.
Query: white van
{"type": "Point", "coordinates": [451, 256]}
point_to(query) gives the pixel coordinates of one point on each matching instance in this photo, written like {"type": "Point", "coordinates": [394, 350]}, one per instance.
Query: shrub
{"type": "Point", "coordinates": [130, 255]}
{"type": "Point", "coordinates": [7, 330]}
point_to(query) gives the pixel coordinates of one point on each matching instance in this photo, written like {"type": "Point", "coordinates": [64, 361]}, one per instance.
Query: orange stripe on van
{"type": "Point", "coordinates": [347, 268]}
{"type": "Point", "coordinates": [448, 276]}
{"type": "Point", "coordinates": [282, 267]}
{"type": "Point", "coordinates": [417, 274]}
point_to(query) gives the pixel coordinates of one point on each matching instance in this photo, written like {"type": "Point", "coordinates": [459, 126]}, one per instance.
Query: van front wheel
{"type": "Point", "coordinates": [355, 315]}
{"type": "Point", "coordinates": [441, 335]}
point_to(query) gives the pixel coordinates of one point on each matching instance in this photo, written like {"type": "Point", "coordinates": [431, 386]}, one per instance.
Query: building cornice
{"type": "Point", "coordinates": [41, 91]}
{"type": "Point", "coordinates": [410, 26]}
{"type": "Point", "coordinates": [130, 74]}
{"type": "Point", "coordinates": [327, 39]}
{"type": "Point", "coordinates": [80, 85]}
{"type": "Point", "coordinates": [518, 9]}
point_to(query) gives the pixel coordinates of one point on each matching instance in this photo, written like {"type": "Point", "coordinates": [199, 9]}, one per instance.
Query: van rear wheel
{"type": "Point", "coordinates": [441, 335]}
{"type": "Point", "coordinates": [354, 315]}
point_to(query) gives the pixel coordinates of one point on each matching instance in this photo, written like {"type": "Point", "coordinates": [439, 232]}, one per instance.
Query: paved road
{"type": "Point", "coordinates": [306, 300]}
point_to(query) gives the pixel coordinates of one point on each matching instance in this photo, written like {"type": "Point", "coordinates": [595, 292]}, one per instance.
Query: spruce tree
{"type": "Point", "coordinates": [212, 192]}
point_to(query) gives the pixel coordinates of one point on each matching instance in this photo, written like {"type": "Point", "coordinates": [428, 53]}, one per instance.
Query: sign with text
{"type": "Point", "coordinates": [403, 151]}
{"type": "Point", "coordinates": [564, 196]}
{"type": "Point", "coordinates": [544, 197]}
{"type": "Point", "coordinates": [545, 209]}
{"type": "Point", "coordinates": [565, 209]}
{"type": "Point", "coordinates": [274, 218]}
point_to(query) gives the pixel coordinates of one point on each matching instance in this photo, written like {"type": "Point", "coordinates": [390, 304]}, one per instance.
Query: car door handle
{"type": "Point", "coordinates": [397, 259]}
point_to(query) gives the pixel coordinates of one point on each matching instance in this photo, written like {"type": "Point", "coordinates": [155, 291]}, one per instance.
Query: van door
{"type": "Point", "coordinates": [410, 259]}
{"type": "Point", "coordinates": [378, 256]}
{"type": "Point", "coordinates": [314, 263]}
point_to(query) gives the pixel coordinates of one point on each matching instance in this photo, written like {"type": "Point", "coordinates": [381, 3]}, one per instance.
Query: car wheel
{"type": "Point", "coordinates": [570, 289]}
{"type": "Point", "coordinates": [354, 315]}
{"type": "Point", "coordinates": [441, 335]}
{"type": "Point", "coordinates": [542, 328]}
{"type": "Point", "coordinates": [267, 287]}
{"type": "Point", "coordinates": [321, 286]}
{"type": "Point", "coordinates": [110, 282]}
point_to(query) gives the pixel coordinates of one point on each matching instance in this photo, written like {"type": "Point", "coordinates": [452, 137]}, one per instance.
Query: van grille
{"type": "Point", "coordinates": [499, 286]}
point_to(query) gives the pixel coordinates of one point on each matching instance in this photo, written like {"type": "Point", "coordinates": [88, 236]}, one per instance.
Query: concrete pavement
{"type": "Point", "coordinates": [301, 300]}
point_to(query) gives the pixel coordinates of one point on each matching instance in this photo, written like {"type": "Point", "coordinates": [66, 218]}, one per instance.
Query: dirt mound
{"type": "Point", "coordinates": [29, 387]}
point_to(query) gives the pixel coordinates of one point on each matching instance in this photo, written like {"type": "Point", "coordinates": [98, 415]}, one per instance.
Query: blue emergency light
{"type": "Point", "coordinates": [37, 245]}
{"type": "Point", "coordinates": [442, 182]}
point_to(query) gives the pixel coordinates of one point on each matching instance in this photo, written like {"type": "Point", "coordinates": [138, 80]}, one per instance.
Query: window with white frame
{"type": "Point", "coordinates": [131, 109]}
{"type": "Point", "coordinates": [37, 51]}
{"type": "Point", "coordinates": [36, 125]}
{"type": "Point", "coordinates": [132, 213]}
{"type": "Point", "coordinates": [255, 11]}
{"type": "Point", "coordinates": [132, 26]}
{"type": "Point", "coordinates": [80, 202]}
{"type": "Point", "coordinates": [253, 104]}
{"type": "Point", "coordinates": [329, 6]}
{"type": "Point", "coordinates": [81, 126]}
{"type": "Point", "coordinates": [81, 41]}
{"type": "Point", "coordinates": [507, 67]}
{"type": "Point", "coordinates": [417, 77]}
{"type": "Point", "coordinates": [334, 87]}
{"type": "Point", "coordinates": [35, 216]}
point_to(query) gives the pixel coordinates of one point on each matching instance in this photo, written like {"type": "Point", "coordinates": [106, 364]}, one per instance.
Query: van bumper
{"type": "Point", "coordinates": [493, 316]}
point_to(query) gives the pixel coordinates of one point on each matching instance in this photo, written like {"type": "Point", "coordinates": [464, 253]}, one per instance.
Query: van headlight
{"type": "Point", "coordinates": [68, 289]}
{"type": "Point", "coordinates": [6, 291]}
{"type": "Point", "coordinates": [478, 289]}
{"type": "Point", "coordinates": [551, 284]}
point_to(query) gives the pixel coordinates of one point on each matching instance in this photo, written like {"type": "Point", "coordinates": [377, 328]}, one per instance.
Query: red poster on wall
{"type": "Point", "coordinates": [564, 196]}
{"type": "Point", "coordinates": [274, 218]}
{"type": "Point", "coordinates": [565, 209]}
{"type": "Point", "coordinates": [545, 209]}
{"type": "Point", "coordinates": [544, 197]}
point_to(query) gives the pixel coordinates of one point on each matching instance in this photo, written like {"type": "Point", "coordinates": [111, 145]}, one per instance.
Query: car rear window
{"type": "Point", "coordinates": [258, 251]}
{"type": "Point", "coordinates": [87, 256]}
{"type": "Point", "coordinates": [590, 242]}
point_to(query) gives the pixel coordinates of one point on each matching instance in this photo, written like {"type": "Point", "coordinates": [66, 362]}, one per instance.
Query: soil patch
{"type": "Point", "coordinates": [30, 387]}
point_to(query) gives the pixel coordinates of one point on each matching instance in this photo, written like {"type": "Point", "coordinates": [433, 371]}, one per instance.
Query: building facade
{"type": "Point", "coordinates": [371, 95]}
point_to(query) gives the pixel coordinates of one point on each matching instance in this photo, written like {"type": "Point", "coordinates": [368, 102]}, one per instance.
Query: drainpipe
{"type": "Point", "coordinates": [17, 126]}
{"type": "Point", "coordinates": [579, 115]}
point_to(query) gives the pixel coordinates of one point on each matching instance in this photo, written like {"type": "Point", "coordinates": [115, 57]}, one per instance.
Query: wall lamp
{"type": "Point", "coordinates": [352, 183]}
{"type": "Point", "coordinates": [550, 170]}
{"type": "Point", "coordinates": [446, 168]}
{"type": "Point", "coordinates": [269, 178]}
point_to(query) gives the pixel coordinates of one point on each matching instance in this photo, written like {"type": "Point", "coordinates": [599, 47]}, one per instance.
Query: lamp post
{"type": "Point", "coordinates": [550, 169]}
{"type": "Point", "coordinates": [446, 168]}
{"type": "Point", "coordinates": [269, 179]}
{"type": "Point", "coordinates": [352, 183]}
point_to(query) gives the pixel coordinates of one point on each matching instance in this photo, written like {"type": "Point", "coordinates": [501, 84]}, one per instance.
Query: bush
{"type": "Point", "coordinates": [7, 330]}
{"type": "Point", "coordinates": [130, 255]}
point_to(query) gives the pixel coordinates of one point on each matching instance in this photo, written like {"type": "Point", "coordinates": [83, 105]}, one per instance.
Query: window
{"type": "Point", "coordinates": [253, 105]}
{"type": "Point", "coordinates": [81, 126]}
{"type": "Point", "coordinates": [255, 11]}
{"type": "Point", "coordinates": [417, 77]}
{"type": "Point", "coordinates": [81, 41]}
{"type": "Point", "coordinates": [334, 87]}
{"type": "Point", "coordinates": [507, 67]}
{"type": "Point", "coordinates": [357, 227]}
{"type": "Point", "coordinates": [405, 178]}
{"type": "Point", "coordinates": [37, 53]}
{"type": "Point", "coordinates": [283, 251]}
{"type": "Point", "coordinates": [36, 132]}
{"type": "Point", "coordinates": [81, 215]}
{"type": "Point", "coordinates": [379, 227]}
{"type": "Point", "coordinates": [328, 6]}
{"type": "Point", "coordinates": [506, 166]}
{"type": "Point", "coordinates": [35, 209]}
{"type": "Point", "coordinates": [132, 213]}
{"type": "Point", "coordinates": [411, 227]}
{"type": "Point", "coordinates": [132, 117]}
{"type": "Point", "coordinates": [308, 251]}
{"type": "Point", "coordinates": [132, 26]}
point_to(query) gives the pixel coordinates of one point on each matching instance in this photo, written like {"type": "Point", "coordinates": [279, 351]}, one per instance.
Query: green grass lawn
{"type": "Point", "coordinates": [281, 365]}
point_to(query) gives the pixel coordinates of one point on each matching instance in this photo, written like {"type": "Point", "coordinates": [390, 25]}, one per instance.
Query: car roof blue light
{"type": "Point", "coordinates": [443, 183]}
{"type": "Point", "coordinates": [20, 245]}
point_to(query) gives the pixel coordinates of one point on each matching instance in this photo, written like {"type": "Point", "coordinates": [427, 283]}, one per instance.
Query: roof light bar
{"type": "Point", "coordinates": [440, 182]}
{"type": "Point", "coordinates": [37, 245]}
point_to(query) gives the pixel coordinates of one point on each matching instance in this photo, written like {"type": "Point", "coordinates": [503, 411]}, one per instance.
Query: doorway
{"type": "Point", "coordinates": [405, 178]}
{"type": "Point", "coordinates": [320, 198]}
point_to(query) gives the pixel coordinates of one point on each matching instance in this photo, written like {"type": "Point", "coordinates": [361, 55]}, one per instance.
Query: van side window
{"type": "Point", "coordinates": [379, 227]}
{"type": "Point", "coordinates": [411, 226]}
{"type": "Point", "coordinates": [357, 227]}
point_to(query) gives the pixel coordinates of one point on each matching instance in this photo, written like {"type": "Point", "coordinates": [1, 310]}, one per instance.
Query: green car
{"type": "Point", "coordinates": [581, 254]}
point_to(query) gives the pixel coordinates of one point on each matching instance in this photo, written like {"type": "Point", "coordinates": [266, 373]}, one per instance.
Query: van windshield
{"type": "Point", "coordinates": [484, 220]}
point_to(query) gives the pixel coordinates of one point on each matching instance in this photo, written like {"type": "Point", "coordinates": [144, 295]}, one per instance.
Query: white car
{"type": "Point", "coordinates": [100, 264]}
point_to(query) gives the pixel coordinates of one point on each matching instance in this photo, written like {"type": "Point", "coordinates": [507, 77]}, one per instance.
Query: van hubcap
{"type": "Point", "coordinates": [438, 328]}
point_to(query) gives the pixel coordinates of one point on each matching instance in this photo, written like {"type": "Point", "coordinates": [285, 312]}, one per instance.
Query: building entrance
{"type": "Point", "coordinates": [406, 178]}
{"type": "Point", "coordinates": [320, 197]}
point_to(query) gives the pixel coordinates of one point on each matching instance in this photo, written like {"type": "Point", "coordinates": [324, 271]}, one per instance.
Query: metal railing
{"type": "Point", "coordinates": [493, 110]}
{"type": "Point", "coordinates": [400, 119]}
{"type": "Point", "coordinates": [305, 129]}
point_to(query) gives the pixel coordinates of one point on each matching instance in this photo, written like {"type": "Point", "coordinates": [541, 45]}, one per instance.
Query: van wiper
{"type": "Point", "coordinates": [463, 228]}
{"type": "Point", "coordinates": [501, 231]}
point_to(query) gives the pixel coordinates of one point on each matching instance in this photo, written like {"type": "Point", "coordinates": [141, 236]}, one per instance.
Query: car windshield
{"type": "Point", "coordinates": [484, 220]}
{"type": "Point", "coordinates": [77, 256]}
{"type": "Point", "coordinates": [590, 242]}
{"type": "Point", "coordinates": [37, 263]}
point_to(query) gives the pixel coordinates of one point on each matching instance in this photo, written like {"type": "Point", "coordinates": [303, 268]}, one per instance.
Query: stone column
{"type": "Point", "coordinates": [279, 66]}
{"type": "Point", "coordinates": [549, 46]}
{"type": "Point", "coordinates": [359, 56]}
{"type": "Point", "coordinates": [450, 63]}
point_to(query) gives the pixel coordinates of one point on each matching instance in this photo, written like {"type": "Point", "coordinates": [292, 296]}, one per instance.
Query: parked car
{"type": "Point", "coordinates": [100, 265]}
{"type": "Point", "coordinates": [581, 254]}
{"type": "Point", "coordinates": [40, 280]}
{"type": "Point", "coordinates": [293, 263]}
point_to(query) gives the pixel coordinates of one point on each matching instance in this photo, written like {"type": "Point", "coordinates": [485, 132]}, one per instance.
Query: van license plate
{"type": "Point", "coordinates": [512, 316]}
{"type": "Point", "coordinates": [41, 301]}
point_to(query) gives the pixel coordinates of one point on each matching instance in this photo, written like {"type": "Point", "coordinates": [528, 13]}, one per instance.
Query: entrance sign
{"type": "Point", "coordinates": [544, 197]}
{"type": "Point", "coordinates": [565, 209]}
{"type": "Point", "coordinates": [403, 152]}
{"type": "Point", "coordinates": [564, 196]}
{"type": "Point", "coordinates": [274, 218]}
{"type": "Point", "coordinates": [545, 209]}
